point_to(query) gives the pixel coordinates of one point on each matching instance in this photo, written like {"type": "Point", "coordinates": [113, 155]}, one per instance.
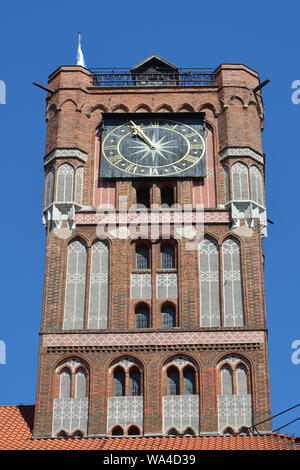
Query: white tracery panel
{"type": "Point", "coordinates": [75, 285]}
{"type": "Point", "coordinates": [167, 286]}
{"type": "Point", "coordinates": [232, 282]}
{"type": "Point", "coordinates": [240, 182]}
{"type": "Point", "coordinates": [227, 183]}
{"type": "Point", "coordinates": [49, 187]}
{"type": "Point", "coordinates": [180, 412]}
{"type": "Point", "coordinates": [141, 286]}
{"type": "Point", "coordinates": [180, 362]}
{"type": "Point", "coordinates": [78, 185]}
{"type": "Point", "coordinates": [70, 414]}
{"type": "Point", "coordinates": [99, 286]}
{"type": "Point", "coordinates": [256, 185]}
{"type": "Point", "coordinates": [125, 411]}
{"type": "Point", "coordinates": [209, 283]}
{"type": "Point", "coordinates": [234, 411]}
{"type": "Point", "coordinates": [64, 185]}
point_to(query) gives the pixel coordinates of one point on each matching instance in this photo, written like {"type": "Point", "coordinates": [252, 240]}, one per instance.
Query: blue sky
{"type": "Point", "coordinates": [35, 39]}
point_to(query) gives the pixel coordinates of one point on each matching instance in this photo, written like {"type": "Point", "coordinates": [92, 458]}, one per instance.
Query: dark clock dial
{"type": "Point", "coordinates": [153, 147]}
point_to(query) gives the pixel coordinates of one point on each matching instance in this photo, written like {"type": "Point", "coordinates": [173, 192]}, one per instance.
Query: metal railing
{"type": "Point", "coordinates": [126, 78]}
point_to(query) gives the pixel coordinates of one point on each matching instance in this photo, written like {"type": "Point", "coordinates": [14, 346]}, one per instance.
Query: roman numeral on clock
{"type": "Point", "coordinates": [176, 168]}
{"type": "Point", "coordinates": [115, 159]}
{"type": "Point", "coordinates": [191, 158]}
{"type": "Point", "coordinates": [196, 146]}
{"type": "Point", "coordinates": [190, 135]}
{"type": "Point", "coordinates": [110, 147]}
{"type": "Point", "coordinates": [153, 171]}
{"type": "Point", "coordinates": [132, 168]}
{"type": "Point", "coordinates": [154, 123]}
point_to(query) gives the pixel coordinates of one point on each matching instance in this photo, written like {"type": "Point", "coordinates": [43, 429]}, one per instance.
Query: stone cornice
{"type": "Point", "coordinates": [65, 153]}
{"type": "Point", "coordinates": [241, 152]}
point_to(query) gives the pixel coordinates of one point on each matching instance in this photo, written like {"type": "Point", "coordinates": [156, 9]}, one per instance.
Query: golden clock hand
{"type": "Point", "coordinates": [136, 130]}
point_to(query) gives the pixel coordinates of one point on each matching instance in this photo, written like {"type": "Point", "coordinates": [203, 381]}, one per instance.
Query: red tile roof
{"type": "Point", "coordinates": [16, 424]}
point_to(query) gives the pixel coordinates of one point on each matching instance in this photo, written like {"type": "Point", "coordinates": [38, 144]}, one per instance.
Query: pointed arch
{"type": "Point", "coordinates": [210, 107]}
{"type": "Point", "coordinates": [232, 283]}
{"type": "Point", "coordinates": [120, 108]}
{"type": "Point", "coordinates": [256, 185]}
{"type": "Point", "coordinates": [133, 430]}
{"type": "Point", "coordinates": [99, 285]}
{"type": "Point", "coordinates": [240, 181]}
{"type": "Point", "coordinates": [189, 380]}
{"type": "Point", "coordinates": [69, 104]}
{"type": "Point", "coordinates": [135, 378]}
{"type": "Point", "coordinates": [75, 285]}
{"type": "Point", "coordinates": [185, 107]}
{"type": "Point", "coordinates": [65, 383]}
{"type": "Point", "coordinates": [98, 107]}
{"type": "Point", "coordinates": [49, 187]}
{"type": "Point", "coordinates": [208, 254]}
{"type": "Point", "coordinates": [189, 432]}
{"type": "Point", "coordinates": [168, 315]}
{"type": "Point", "coordinates": [64, 183]}
{"type": "Point", "coordinates": [173, 380]}
{"type": "Point", "coordinates": [164, 108]}
{"type": "Point", "coordinates": [142, 108]}
{"type": "Point", "coordinates": [172, 432]}
{"type": "Point", "coordinates": [117, 431]}
{"type": "Point", "coordinates": [78, 184]}
{"type": "Point", "coordinates": [119, 381]}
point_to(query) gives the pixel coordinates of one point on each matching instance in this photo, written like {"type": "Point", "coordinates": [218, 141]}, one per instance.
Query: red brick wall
{"type": "Point", "coordinates": [73, 116]}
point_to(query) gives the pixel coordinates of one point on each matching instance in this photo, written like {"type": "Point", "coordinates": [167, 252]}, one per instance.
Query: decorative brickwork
{"type": "Point", "coordinates": [211, 292]}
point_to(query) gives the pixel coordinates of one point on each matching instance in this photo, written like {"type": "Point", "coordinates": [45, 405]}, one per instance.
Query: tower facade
{"type": "Point", "coordinates": [153, 316]}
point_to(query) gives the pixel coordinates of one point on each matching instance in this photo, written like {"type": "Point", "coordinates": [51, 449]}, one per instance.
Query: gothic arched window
{"type": "Point", "coordinates": [64, 184]}
{"type": "Point", "coordinates": [49, 198]}
{"type": "Point", "coordinates": [227, 183]}
{"type": "Point", "coordinates": [168, 316]}
{"type": "Point", "coordinates": [173, 381]}
{"type": "Point", "coordinates": [142, 317]}
{"type": "Point", "coordinates": [75, 285]}
{"type": "Point", "coordinates": [99, 285]}
{"type": "Point", "coordinates": [65, 383]}
{"type": "Point", "coordinates": [78, 185]}
{"type": "Point", "coordinates": [209, 283]}
{"type": "Point", "coordinates": [232, 282]}
{"type": "Point", "coordinates": [80, 383]}
{"type": "Point", "coordinates": [240, 182]}
{"type": "Point", "coordinates": [135, 381]}
{"type": "Point", "coordinates": [256, 185]}
{"type": "Point", "coordinates": [142, 257]}
{"type": "Point", "coordinates": [119, 382]}
{"type": "Point", "coordinates": [226, 380]}
{"type": "Point", "coordinates": [167, 256]}
{"type": "Point", "coordinates": [189, 381]}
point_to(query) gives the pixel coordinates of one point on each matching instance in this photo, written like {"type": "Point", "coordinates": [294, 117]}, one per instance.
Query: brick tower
{"type": "Point", "coordinates": [152, 325]}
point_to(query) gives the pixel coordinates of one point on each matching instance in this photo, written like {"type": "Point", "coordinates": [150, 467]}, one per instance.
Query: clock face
{"type": "Point", "coordinates": [153, 146]}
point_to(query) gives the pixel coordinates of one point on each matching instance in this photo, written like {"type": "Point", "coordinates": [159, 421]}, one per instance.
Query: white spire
{"type": "Point", "coordinates": [80, 58]}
